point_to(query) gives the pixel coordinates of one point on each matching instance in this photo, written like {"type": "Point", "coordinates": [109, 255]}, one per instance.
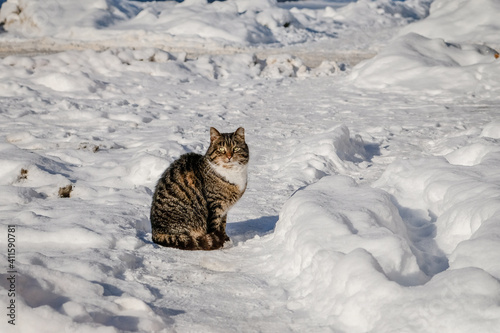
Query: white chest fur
{"type": "Point", "coordinates": [236, 175]}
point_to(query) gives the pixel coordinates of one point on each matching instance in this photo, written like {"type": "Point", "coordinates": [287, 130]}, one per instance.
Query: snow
{"type": "Point", "coordinates": [373, 196]}
{"type": "Point", "coordinates": [433, 65]}
{"type": "Point", "coordinates": [460, 21]}
{"type": "Point", "coordinates": [195, 27]}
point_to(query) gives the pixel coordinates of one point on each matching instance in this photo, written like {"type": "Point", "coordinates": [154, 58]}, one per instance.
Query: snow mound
{"type": "Point", "coordinates": [239, 22]}
{"type": "Point", "coordinates": [334, 239]}
{"type": "Point", "coordinates": [385, 13]}
{"type": "Point", "coordinates": [331, 152]}
{"type": "Point", "coordinates": [416, 63]}
{"type": "Point", "coordinates": [474, 153]}
{"type": "Point", "coordinates": [45, 175]}
{"type": "Point", "coordinates": [454, 195]}
{"type": "Point", "coordinates": [195, 23]}
{"type": "Point", "coordinates": [285, 65]}
{"type": "Point", "coordinates": [68, 18]}
{"type": "Point", "coordinates": [471, 21]}
{"type": "Point", "coordinates": [235, 22]}
{"type": "Point", "coordinates": [460, 197]}
{"type": "Point", "coordinates": [492, 130]}
{"type": "Point", "coordinates": [326, 216]}
{"type": "Point", "coordinates": [346, 253]}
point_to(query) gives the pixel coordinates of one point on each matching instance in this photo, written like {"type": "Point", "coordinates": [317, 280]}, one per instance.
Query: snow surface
{"type": "Point", "coordinates": [431, 65]}
{"type": "Point", "coordinates": [322, 28]}
{"type": "Point", "coordinates": [373, 199]}
{"type": "Point", "coordinates": [460, 21]}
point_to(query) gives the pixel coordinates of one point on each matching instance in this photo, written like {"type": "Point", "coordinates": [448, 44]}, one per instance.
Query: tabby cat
{"type": "Point", "coordinates": [194, 194]}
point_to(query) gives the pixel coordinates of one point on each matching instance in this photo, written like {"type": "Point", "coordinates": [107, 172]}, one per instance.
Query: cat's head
{"type": "Point", "coordinates": [228, 149]}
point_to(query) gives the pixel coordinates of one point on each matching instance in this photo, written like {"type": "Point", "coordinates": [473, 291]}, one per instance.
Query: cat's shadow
{"type": "Point", "coordinates": [245, 230]}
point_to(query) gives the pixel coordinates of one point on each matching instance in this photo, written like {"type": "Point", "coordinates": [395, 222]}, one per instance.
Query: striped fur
{"type": "Point", "coordinates": [193, 196]}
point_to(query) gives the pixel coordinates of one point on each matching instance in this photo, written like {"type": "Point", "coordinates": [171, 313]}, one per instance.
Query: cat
{"type": "Point", "coordinates": [194, 194]}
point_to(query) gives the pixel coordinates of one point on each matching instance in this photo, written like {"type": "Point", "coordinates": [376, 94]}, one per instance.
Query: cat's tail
{"type": "Point", "coordinates": [211, 241]}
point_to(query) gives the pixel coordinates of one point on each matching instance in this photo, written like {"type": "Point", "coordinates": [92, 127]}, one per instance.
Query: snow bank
{"type": "Point", "coordinates": [238, 22]}
{"type": "Point", "coordinates": [339, 246]}
{"type": "Point", "coordinates": [459, 194]}
{"type": "Point", "coordinates": [346, 252]}
{"type": "Point", "coordinates": [198, 23]}
{"type": "Point", "coordinates": [380, 13]}
{"type": "Point", "coordinates": [416, 63]}
{"type": "Point", "coordinates": [67, 18]}
{"type": "Point", "coordinates": [443, 52]}
{"type": "Point", "coordinates": [345, 255]}
{"type": "Point", "coordinates": [338, 216]}
{"type": "Point", "coordinates": [492, 130]}
{"type": "Point", "coordinates": [316, 156]}
{"type": "Point", "coordinates": [241, 22]}
{"type": "Point", "coordinates": [470, 21]}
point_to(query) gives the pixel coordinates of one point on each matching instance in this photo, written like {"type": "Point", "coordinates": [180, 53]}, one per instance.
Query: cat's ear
{"type": "Point", "coordinates": [241, 133]}
{"type": "Point", "coordinates": [214, 134]}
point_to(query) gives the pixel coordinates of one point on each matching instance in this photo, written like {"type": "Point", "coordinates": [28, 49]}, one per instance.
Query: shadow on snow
{"type": "Point", "coordinates": [245, 230]}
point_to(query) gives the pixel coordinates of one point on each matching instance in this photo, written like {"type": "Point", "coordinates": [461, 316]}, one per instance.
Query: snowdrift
{"type": "Point", "coordinates": [459, 194]}
{"type": "Point", "coordinates": [460, 21]}
{"type": "Point", "coordinates": [416, 63]}
{"type": "Point", "coordinates": [448, 50]}
{"type": "Point", "coordinates": [192, 22]}
{"type": "Point", "coordinates": [33, 18]}
{"type": "Point", "coordinates": [381, 13]}
{"type": "Point", "coordinates": [331, 152]}
{"type": "Point", "coordinates": [239, 22]}
{"type": "Point", "coordinates": [347, 252]}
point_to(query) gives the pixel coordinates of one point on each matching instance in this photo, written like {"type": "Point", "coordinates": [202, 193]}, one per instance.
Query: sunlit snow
{"type": "Point", "coordinates": [373, 198]}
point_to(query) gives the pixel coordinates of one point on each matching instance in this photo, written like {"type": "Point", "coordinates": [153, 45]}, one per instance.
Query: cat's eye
{"type": "Point", "coordinates": [222, 150]}
{"type": "Point", "coordinates": [236, 149]}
